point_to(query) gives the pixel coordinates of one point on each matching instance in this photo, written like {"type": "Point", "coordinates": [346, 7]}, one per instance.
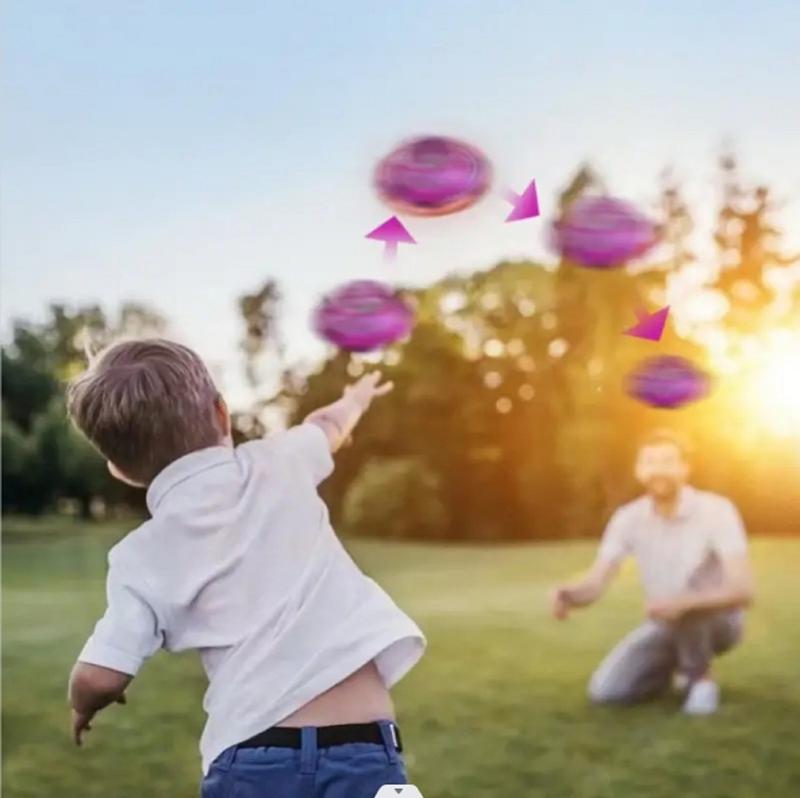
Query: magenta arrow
{"type": "Point", "coordinates": [526, 205]}
{"type": "Point", "coordinates": [650, 326]}
{"type": "Point", "coordinates": [391, 232]}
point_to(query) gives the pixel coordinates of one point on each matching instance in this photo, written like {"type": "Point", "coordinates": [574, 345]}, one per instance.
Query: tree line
{"type": "Point", "coordinates": [509, 419]}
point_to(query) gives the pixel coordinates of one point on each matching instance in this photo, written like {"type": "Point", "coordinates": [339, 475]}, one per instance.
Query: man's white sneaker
{"type": "Point", "coordinates": [703, 698]}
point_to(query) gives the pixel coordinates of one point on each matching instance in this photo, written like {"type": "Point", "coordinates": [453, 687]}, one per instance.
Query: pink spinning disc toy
{"type": "Point", "coordinates": [433, 176]}
{"type": "Point", "coordinates": [602, 232]}
{"type": "Point", "coordinates": [363, 315]}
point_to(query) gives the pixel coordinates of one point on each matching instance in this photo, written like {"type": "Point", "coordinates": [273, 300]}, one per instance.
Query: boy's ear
{"type": "Point", "coordinates": [223, 417]}
{"type": "Point", "coordinates": [117, 474]}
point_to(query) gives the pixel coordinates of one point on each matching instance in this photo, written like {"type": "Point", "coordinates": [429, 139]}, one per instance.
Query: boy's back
{"type": "Point", "coordinates": [239, 561]}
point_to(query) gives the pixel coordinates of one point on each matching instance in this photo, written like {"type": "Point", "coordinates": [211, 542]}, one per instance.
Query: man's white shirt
{"type": "Point", "coordinates": [672, 552]}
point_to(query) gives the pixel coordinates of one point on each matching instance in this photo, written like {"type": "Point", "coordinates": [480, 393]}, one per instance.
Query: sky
{"type": "Point", "coordinates": [179, 154]}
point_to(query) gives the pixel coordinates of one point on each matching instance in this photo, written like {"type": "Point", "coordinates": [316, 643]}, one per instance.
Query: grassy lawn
{"type": "Point", "coordinates": [497, 709]}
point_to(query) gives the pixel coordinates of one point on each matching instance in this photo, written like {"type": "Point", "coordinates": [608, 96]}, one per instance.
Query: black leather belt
{"type": "Point", "coordinates": [327, 736]}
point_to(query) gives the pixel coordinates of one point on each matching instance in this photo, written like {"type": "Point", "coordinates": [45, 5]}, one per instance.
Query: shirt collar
{"type": "Point", "coordinates": [685, 505]}
{"type": "Point", "coordinates": [184, 468]}
{"type": "Point", "coordinates": [686, 502]}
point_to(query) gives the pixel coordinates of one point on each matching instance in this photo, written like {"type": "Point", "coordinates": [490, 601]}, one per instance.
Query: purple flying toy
{"type": "Point", "coordinates": [667, 382]}
{"type": "Point", "coordinates": [433, 176]}
{"type": "Point", "coordinates": [363, 315]}
{"type": "Point", "coordinates": [601, 232]}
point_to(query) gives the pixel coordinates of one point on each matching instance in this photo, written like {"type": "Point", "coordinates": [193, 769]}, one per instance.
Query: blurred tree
{"type": "Point", "coordinates": [509, 418]}
{"type": "Point", "coordinates": [260, 312]}
{"type": "Point", "coordinates": [753, 275]}
{"type": "Point", "coordinates": [44, 459]}
{"type": "Point", "coordinates": [481, 396]}
{"type": "Point", "coordinates": [676, 224]}
{"type": "Point", "coordinates": [264, 360]}
{"type": "Point", "coordinates": [749, 250]}
{"type": "Point", "coordinates": [27, 389]}
{"type": "Point", "coordinates": [594, 308]}
{"type": "Point", "coordinates": [68, 464]}
{"type": "Point", "coordinates": [510, 389]}
{"type": "Point", "coordinates": [396, 497]}
{"type": "Point", "coordinates": [23, 489]}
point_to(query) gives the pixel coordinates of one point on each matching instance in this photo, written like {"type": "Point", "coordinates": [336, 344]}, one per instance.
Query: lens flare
{"type": "Point", "coordinates": [772, 386]}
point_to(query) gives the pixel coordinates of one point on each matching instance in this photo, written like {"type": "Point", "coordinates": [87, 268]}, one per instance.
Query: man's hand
{"type": "Point", "coordinates": [667, 609]}
{"type": "Point", "coordinates": [560, 603]}
{"type": "Point", "coordinates": [584, 591]}
{"type": "Point", "coordinates": [364, 390]}
{"type": "Point", "coordinates": [735, 591]}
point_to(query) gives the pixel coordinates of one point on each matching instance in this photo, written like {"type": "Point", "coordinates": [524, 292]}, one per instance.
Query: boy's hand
{"type": "Point", "coordinates": [80, 724]}
{"type": "Point", "coordinates": [81, 721]}
{"type": "Point", "coordinates": [364, 390]}
{"type": "Point", "coordinates": [340, 418]}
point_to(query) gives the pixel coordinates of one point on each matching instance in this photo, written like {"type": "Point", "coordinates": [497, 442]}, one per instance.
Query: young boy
{"type": "Point", "coordinates": [240, 562]}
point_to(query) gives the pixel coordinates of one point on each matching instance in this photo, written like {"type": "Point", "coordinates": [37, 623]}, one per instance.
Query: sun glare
{"type": "Point", "coordinates": [773, 385]}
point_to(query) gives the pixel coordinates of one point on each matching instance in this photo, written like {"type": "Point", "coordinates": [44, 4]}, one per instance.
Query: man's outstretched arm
{"type": "Point", "coordinates": [614, 547]}
{"type": "Point", "coordinates": [583, 591]}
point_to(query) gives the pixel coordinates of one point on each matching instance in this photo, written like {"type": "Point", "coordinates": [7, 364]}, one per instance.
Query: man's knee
{"type": "Point", "coordinates": [604, 690]}
{"type": "Point", "coordinates": [729, 633]}
{"type": "Point", "coordinates": [704, 635]}
{"type": "Point", "coordinates": [637, 667]}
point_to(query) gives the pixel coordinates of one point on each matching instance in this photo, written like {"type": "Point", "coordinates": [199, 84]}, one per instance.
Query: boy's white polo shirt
{"type": "Point", "coordinates": [240, 562]}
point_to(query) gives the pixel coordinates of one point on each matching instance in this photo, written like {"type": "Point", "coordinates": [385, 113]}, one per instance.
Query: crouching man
{"type": "Point", "coordinates": [691, 550]}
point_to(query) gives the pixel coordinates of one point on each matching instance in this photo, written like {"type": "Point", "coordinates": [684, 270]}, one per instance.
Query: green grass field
{"type": "Point", "coordinates": [497, 709]}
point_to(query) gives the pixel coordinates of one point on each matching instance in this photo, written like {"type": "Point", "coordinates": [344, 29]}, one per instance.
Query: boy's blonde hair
{"type": "Point", "coordinates": [144, 404]}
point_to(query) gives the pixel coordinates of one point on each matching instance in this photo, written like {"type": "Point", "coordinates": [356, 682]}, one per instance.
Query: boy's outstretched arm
{"type": "Point", "coordinates": [338, 420]}
{"type": "Point", "coordinates": [92, 688]}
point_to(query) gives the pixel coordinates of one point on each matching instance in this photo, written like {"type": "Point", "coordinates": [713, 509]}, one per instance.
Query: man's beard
{"type": "Point", "coordinates": [663, 487]}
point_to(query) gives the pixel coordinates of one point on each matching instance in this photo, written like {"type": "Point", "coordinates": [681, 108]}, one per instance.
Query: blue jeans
{"type": "Point", "coordinates": [355, 770]}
